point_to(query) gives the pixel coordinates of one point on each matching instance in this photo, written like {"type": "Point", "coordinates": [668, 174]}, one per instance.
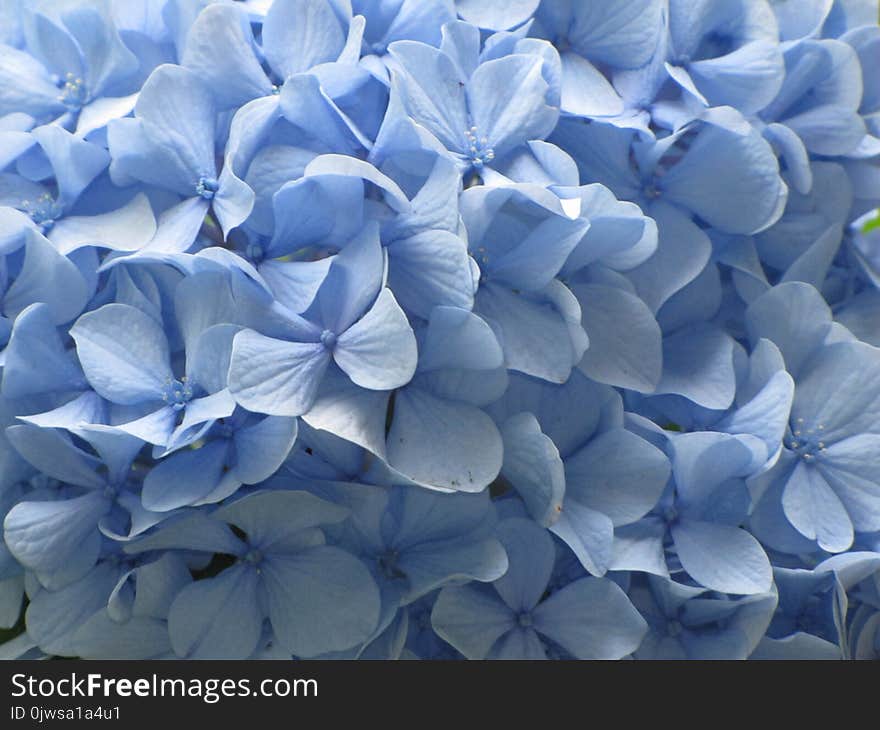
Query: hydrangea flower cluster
{"type": "Point", "coordinates": [440, 329]}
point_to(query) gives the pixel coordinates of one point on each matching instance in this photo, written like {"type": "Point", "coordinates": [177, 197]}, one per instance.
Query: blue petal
{"type": "Point", "coordinates": [747, 79]}
{"type": "Point", "coordinates": [185, 477]}
{"type": "Point", "coordinates": [320, 600]}
{"type": "Point", "coordinates": [531, 555]}
{"type": "Point", "coordinates": [220, 50]}
{"type": "Point", "coordinates": [639, 547]}
{"type": "Point", "coordinates": [46, 276]}
{"type": "Point", "coordinates": [838, 392]}
{"type": "Point", "coordinates": [138, 638]}
{"type": "Point", "coordinates": [261, 448]}
{"type": "Point", "coordinates": [87, 407]}
{"type": "Point", "coordinates": [588, 533]}
{"type": "Point", "coordinates": [307, 105]}
{"type": "Point", "coordinates": [178, 227]}
{"type": "Point", "coordinates": [851, 469]}
{"type": "Point", "coordinates": [177, 113]}
{"type": "Point", "coordinates": [304, 213]}
{"type": "Point", "coordinates": [746, 199]}
{"type": "Point", "coordinates": [203, 612]}
{"type": "Point", "coordinates": [53, 453]}
{"type": "Point", "coordinates": [766, 415]}
{"type": "Point", "coordinates": [506, 97]}
{"type": "Point", "coordinates": [618, 474]}
{"type": "Point", "coordinates": [698, 364]}
{"type": "Point", "coordinates": [430, 268]}
{"type": "Point", "coordinates": [124, 354]}
{"type": "Point", "coordinates": [705, 459]}
{"type": "Point", "coordinates": [494, 15]}
{"type": "Point", "coordinates": [199, 414]}
{"type": "Point", "coordinates": [379, 350]}
{"type": "Point", "coordinates": [585, 91]}
{"type": "Point", "coordinates": [456, 338]}
{"type": "Point", "coordinates": [52, 616]}
{"type": "Point", "coordinates": [471, 619]}
{"type": "Point", "coordinates": [43, 535]}
{"type": "Point", "coordinates": [35, 358]}
{"type": "Point", "coordinates": [533, 333]}
{"type": "Point", "coordinates": [98, 113]}
{"type": "Point", "coordinates": [127, 228]}
{"type": "Point", "coordinates": [295, 283]}
{"type": "Point", "coordinates": [828, 130]}
{"type": "Point", "coordinates": [620, 33]}
{"type": "Point", "coordinates": [300, 34]}
{"type": "Point", "coordinates": [519, 644]}
{"type": "Point", "coordinates": [721, 557]}
{"type": "Point", "coordinates": [429, 89]}
{"type": "Point", "coordinates": [815, 510]}
{"type": "Point", "coordinates": [352, 283]}
{"type": "Point", "coordinates": [682, 253]}
{"type": "Point", "coordinates": [156, 427]}
{"type": "Point", "coordinates": [106, 59]}
{"type": "Point", "coordinates": [611, 629]}
{"type": "Point", "coordinates": [791, 149]}
{"type": "Point", "coordinates": [276, 520]}
{"type": "Point", "coordinates": [793, 316]}
{"type": "Point", "coordinates": [533, 262]}
{"type": "Point", "coordinates": [533, 467]}
{"type": "Point", "coordinates": [200, 302]}
{"type": "Point", "coordinates": [26, 85]}
{"type": "Point", "coordinates": [625, 340]}
{"type": "Point", "coordinates": [440, 443]}
{"type": "Point", "coordinates": [275, 377]}
{"type": "Point", "coordinates": [75, 162]}
{"type": "Point", "coordinates": [441, 538]}
{"type": "Point", "coordinates": [191, 530]}
{"type": "Point", "coordinates": [349, 412]}
{"type": "Point", "coordinates": [117, 450]}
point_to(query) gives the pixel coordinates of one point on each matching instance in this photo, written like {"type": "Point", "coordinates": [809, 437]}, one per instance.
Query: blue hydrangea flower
{"type": "Point", "coordinates": [151, 148]}
{"type": "Point", "coordinates": [512, 620]}
{"type": "Point", "coordinates": [824, 483]}
{"type": "Point", "coordinates": [478, 108]}
{"type": "Point", "coordinates": [154, 402]}
{"type": "Point", "coordinates": [687, 622]}
{"type": "Point", "coordinates": [353, 321]}
{"type": "Point", "coordinates": [415, 541]}
{"type": "Point", "coordinates": [282, 556]}
{"type": "Point", "coordinates": [75, 69]}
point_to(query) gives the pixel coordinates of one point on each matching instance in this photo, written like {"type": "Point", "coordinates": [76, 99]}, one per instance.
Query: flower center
{"type": "Point", "coordinates": [328, 339]}
{"type": "Point", "coordinates": [177, 394]}
{"type": "Point", "coordinates": [478, 148]}
{"type": "Point", "coordinates": [44, 211]}
{"type": "Point", "coordinates": [255, 252]}
{"type": "Point", "coordinates": [807, 443]}
{"type": "Point", "coordinates": [652, 190]}
{"type": "Point", "coordinates": [73, 91]}
{"type": "Point", "coordinates": [253, 556]}
{"type": "Point", "coordinates": [388, 565]}
{"type": "Point", "coordinates": [207, 186]}
{"type": "Point", "coordinates": [524, 619]}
